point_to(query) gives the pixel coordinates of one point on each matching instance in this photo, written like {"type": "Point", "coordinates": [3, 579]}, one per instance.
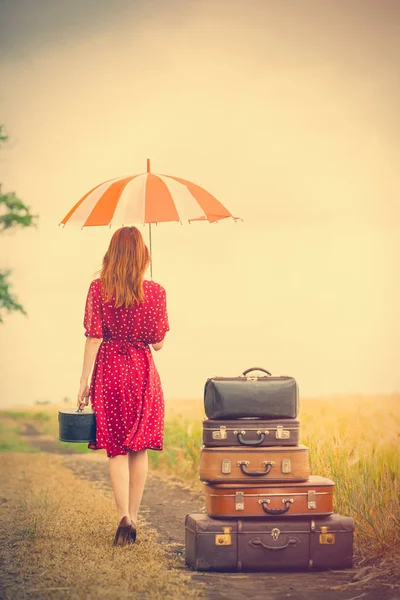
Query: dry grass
{"type": "Point", "coordinates": [362, 455]}
{"type": "Point", "coordinates": [57, 536]}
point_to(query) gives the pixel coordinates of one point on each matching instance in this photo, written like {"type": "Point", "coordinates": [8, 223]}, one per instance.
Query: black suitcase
{"type": "Point", "coordinates": [250, 432]}
{"type": "Point", "coordinates": [259, 545]}
{"type": "Point", "coordinates": [252, 395]}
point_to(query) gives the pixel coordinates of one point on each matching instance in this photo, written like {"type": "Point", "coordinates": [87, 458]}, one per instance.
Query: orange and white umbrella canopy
{"type": "Point", "coordinates": [145, 198]}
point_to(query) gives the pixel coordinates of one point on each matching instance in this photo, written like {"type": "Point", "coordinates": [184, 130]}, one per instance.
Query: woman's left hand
{"type": "Point", "coordinates": [83, 395]}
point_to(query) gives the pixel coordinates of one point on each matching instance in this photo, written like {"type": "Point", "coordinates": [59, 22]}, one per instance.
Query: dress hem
{"type": "Point", "coordinates": [124, 452]}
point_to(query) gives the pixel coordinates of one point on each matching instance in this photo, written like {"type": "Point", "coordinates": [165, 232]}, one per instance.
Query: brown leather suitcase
{"type": "Point", "coordinates": [275, 463]}
{"type": "Point", "coordinates": [251, 432]}
{"type": "Point", "coordinates": [242, 500]}
{"type": "Point", "coordinates": [269, 545]}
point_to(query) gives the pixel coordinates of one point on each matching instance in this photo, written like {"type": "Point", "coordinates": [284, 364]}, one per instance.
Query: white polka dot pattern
{"type": "Point", "coordinates": [125, 389]}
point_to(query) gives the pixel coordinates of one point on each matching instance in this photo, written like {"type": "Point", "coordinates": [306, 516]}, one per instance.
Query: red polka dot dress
{"type": "Point", "coordinates": [125, 389]}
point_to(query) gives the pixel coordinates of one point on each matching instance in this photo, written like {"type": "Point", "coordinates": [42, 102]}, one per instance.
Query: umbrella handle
{"type": "Point", "coordinates": [151, 256]}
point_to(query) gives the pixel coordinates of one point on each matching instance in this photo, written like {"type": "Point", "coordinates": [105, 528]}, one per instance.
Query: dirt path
{"type": "Point", "coordinates": [165, 505]}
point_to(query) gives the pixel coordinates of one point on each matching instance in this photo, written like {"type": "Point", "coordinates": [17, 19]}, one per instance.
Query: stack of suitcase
{"type": "Point", "coordinates": [264, 509]}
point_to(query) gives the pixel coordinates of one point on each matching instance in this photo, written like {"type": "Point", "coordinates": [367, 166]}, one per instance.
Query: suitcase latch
{"type": "Point", "coordinates": [325, 537]}
{"type": "Point", "coordinates": [286, 466]}
{"type": "Point", "coordinates": [282, 434]}
{"type": "Point", "coordinates": [239, 501]}
{"type": "Point", "coordinates": [275, 533]}
{"type": "Point", "coordinates": [225, 538]}
{"type": "Point", "coordinates": [251, 378]}
{"type": "Point", "coordinates": [311, 500]}
{"type": "Point", "coordinates": [221, 434]}
{"type": "Point", "coordinates": [226, 466]}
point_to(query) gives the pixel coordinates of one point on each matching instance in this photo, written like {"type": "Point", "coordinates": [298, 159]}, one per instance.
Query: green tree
{"type": "Point", "coordinates": [13, 214]}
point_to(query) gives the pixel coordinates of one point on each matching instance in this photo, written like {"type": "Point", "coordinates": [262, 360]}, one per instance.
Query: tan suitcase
{"type": "Point", "coordinates": [274, 463]}
{"type": "Point", "coordinates": [312, 497]}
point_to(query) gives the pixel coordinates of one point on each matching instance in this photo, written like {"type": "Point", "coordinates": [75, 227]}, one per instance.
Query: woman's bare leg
{"type": "Point", "coordinates": [138, 467]}
{"type": "Point", "coordinates": [119, 472]}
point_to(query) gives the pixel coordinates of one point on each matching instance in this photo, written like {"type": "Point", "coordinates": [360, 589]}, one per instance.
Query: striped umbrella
{"type": "Point", "coordinates": [146, 198]}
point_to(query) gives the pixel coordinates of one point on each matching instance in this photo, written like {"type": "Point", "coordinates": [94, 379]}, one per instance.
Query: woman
{"type": "Point", "coordinates": [124, 316]}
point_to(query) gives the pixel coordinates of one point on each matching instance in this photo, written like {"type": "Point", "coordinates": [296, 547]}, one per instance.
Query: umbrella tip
{"type": "Point", "coordinates": [148, 165]}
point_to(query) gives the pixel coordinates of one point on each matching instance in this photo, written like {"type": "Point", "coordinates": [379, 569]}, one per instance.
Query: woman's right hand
{"type": "Point", "coordinates": [83, 396]}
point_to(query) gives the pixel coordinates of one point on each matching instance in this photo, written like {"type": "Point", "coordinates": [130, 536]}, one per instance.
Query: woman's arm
{"type": "Point", "coordinates": [160, 324]}
{"type": "Point", "coordinates": [91, 347]}
{"type": "Point", "coordinates": [158, 346]}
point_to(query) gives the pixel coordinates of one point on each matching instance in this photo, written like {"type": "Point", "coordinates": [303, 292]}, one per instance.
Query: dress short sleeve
{"type": "Point", "coordinates": [161, 324]}
{"type": "Point", "coordinates": [93, 322]}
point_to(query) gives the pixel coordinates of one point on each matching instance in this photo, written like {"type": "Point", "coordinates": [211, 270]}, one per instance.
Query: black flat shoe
{"type": "Point", "coordinates": [123, 533]}
{"type": "Point", "coordinates": [132, 537]}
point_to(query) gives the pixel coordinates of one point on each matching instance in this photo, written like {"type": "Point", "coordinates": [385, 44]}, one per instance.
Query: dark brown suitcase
{"type": "Point", "coordinates": [275, 463]}
{"type": "Point", "coordinates": [242, 500]}
{"type": "Point", "coordinates": [251, 395]}
{"type": "Point", "coordinates": [269, 545]}
{"type": "Point", "coordinates": [251, 432]}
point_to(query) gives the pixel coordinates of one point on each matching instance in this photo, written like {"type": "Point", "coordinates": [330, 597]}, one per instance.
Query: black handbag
{"type": "Point", "coordinates": [75, 425]}
{"type": "Point", "coordinates": [263, 397]}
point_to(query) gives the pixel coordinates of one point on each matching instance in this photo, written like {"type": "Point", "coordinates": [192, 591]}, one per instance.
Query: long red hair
{"type": "Point", "coordinates": [124, 266]}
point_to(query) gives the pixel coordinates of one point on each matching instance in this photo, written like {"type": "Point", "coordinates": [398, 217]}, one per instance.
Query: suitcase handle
{"type": "Point", "coordinates": [255, 369]}
{"type": "Point", "coordinates": [276, 511]}
{"type": "Point", "coordinates": [292, 541]}
{"type": "Point", "coordinates": [267, 463]}
{"type": "Point", "coordinates": [250, 442]}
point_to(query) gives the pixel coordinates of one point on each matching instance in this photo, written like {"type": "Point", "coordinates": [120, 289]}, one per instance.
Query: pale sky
{"type": "Point", "coordinates": [286, 111]}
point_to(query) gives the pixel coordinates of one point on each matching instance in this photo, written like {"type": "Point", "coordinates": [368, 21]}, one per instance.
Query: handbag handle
{"type": "Point", "coordinates": [255, 369]}
{"type": "Point", "coordinates": [267, 464]}
{"type": "Point", "coordinates": [276, 511]}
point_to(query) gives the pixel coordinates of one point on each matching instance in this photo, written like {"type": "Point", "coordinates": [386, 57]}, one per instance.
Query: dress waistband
{"type": "Point", "coordinates": [125, 345]}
